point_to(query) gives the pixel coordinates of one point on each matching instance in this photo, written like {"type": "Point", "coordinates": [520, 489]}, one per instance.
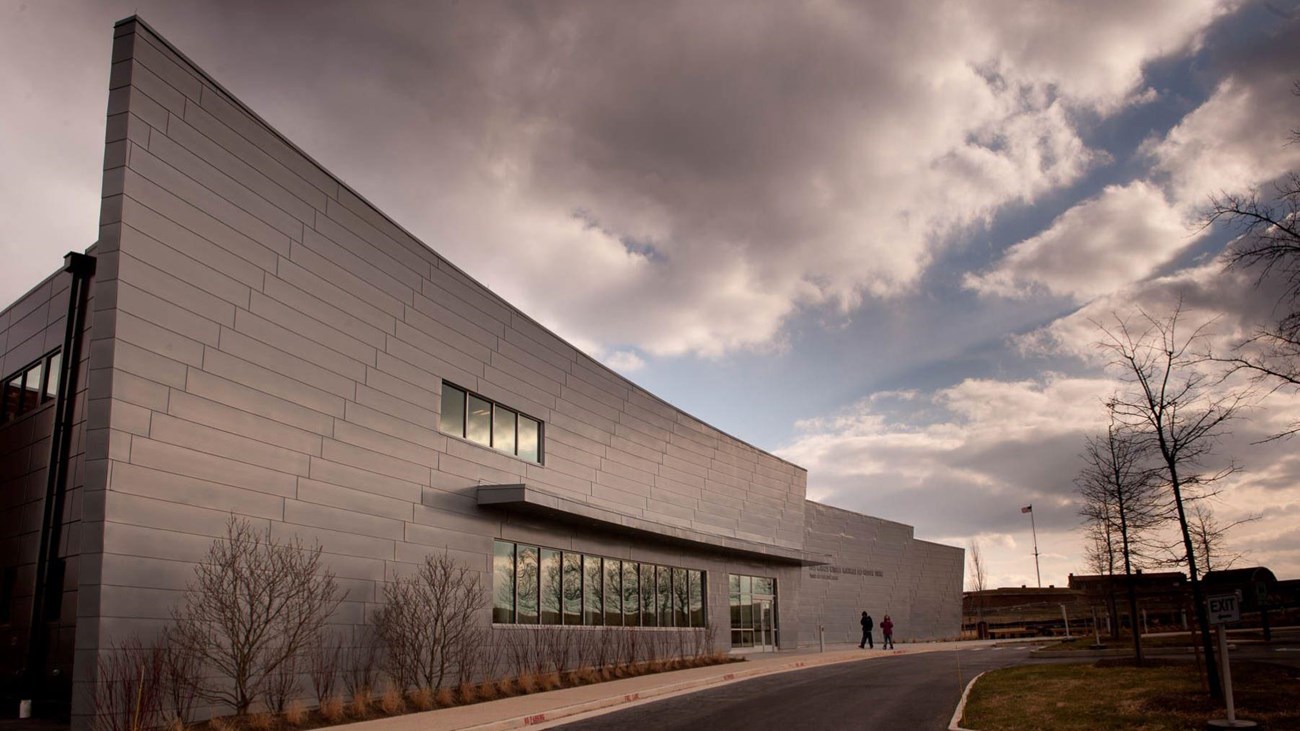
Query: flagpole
{"type": "Point", "coordinates": [1035, 530]}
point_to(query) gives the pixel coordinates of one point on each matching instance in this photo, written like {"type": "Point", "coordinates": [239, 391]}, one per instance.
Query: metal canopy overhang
{"type": "Point", "coordinates": [531, 501]}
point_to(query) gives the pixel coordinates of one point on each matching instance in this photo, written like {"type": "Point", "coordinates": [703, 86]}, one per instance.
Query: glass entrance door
{"type": "Point", "coordinates": [755, 624]}
{"type": "Point", "coordinates": [764, 635]}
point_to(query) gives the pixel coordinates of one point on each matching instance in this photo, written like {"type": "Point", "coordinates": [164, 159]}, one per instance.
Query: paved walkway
{"type": "Point", "coordinates": [546, 708]}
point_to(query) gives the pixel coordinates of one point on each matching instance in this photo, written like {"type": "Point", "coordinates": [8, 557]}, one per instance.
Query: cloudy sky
{"type": "Point", "coordinates": [871, 237]}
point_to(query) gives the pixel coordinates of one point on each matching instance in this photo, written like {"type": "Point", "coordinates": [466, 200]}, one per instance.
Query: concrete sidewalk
{"type": "Point", "coordinates": [544, 709]}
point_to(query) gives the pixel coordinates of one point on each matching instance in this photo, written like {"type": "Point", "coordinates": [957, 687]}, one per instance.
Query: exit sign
{"type": "Point", "coordinates": [1224, 608]}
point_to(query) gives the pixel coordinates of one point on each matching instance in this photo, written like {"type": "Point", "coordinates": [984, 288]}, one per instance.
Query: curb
{"type": "Point", "coordinates": [601, 704]}
{"type": "Point", "coordinates": [955, 723]}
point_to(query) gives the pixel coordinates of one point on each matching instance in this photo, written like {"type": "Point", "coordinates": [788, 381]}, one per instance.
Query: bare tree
{"type": "Point", "coordinates": [1172, 402]}
{"type": "Point", "coordinates": [256, 603]}
{"type": "Point", "coordinates": [1268, 241]}
{"type": "Point", "coordinates": [1123, 505]}
{"type": "Point", "coordinates": [428, 617]}
{"type": "Point", "coordinates": [978, 578]}
{"type": "Point", "coordinates": [1209, 538]}
{"type": "Point", "coordinates": [323, 662]}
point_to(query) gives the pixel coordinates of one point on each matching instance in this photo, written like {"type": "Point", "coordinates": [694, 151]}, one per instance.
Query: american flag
{"type": "Point", "coordinates": [1027, 509]}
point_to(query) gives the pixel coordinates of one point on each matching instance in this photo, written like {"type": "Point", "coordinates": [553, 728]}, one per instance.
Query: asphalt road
{"type": "Point", "coordinates": [897, 692]}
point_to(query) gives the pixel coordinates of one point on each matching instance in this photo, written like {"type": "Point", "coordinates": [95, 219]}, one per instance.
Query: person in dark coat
{"type": "Point", "coordinates": [867, 626]}
{"type": "Point", "coordinates": [887, 632]}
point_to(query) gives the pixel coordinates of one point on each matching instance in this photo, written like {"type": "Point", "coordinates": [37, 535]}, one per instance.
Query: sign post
{"type": "Point", "coordinates": [1226, 608]}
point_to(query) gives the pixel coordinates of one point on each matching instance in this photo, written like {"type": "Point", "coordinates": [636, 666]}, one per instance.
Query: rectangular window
{"type": "Point", "coordinates": [695, 579]}
{"type": "Point", "coordinates": [33, 388]}
{"type": "Point", "coordinates": [537, 585]}
{"type": "Point", "coordinates": [550, 599]}
{"type": "Point", "coordinates": [631, 595]}
{"type": "Point", "coordinates": [613, 592]}
{"type": "Point", "coordinates": [526, 584]}
{"type": "Point", "coordinates": [665, 579]}
{"type": "Point", "coordinates": [649, 597]}
{"type": "Point", "coordinates": [593, 598]}
{"type": "Point", "coordinates": [572, 587]}
{"type": "Point", "coordinates": [503, 582]}
{"type": "Point", "coordinates": [681, 599]}
{"type": "Point", "coordinates": [29, 388]}
{"type": "Point", "coordinates": [503, 429]}
{"type": "Point", "coordinates": [530, 439]}
{"type": "Point", "coordinates": [478, 425]}
{"type": "Point", "coordinates": [53, 371]}
{"type": "Point", "coordinates": [452, 418]}
{"type": "Point", "coordinates": [473, 417]}
{"type": "Point", "coordinates": [13, 396]}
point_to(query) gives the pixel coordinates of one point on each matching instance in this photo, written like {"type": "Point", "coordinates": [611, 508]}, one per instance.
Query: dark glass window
{"type": "Point", "coordinates": [30, 387]}
{"type": "Point", "coordinates": [503, 581]}
{"type": "Point", "coordinates": [695, 579]}
{"type": "Point", "coordinates": [572, 588]}
{"type": "Point", "coordinates": [613, 592]}
{"type": "Point", "coordinates": [594, 599]}
{"type": "Point", "coordinates": [681, 599]}
{"type": "Point", "coordinates": [631, 595]}
{"type": "Point", "coordinates": [550, 591]}
{"type": "Point", "coordinates": [13, 397]}
{"type": "Point", "coordinates": [470, 416]}
{"type": "Point", "coordinates": [665, 580]}
{"type": "Point", "coordinates": [526, 583]}
{"type": "Point", "coordinates": [536, 585]}
{"type": "Point", "coordinates": [649, 597]}
{"type": "Point", "coordinates": [452, 418]}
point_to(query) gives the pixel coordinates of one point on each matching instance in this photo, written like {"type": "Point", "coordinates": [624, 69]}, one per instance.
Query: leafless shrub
{"type": "Point", "coordinates": [181, 669]}
{"type": "Point", "coordinates": [519, 651]}
{"type": "Point", "coordinates": [281, 684]}
{"type": "Point", "coordinates": [221, 723]}
{"type": "Point", "coordinates": [129, 692]}
{"type": "Point", "coordinates": [427, 619]}
{"type": "Point", "coordinates": [465, 692]}
{"type": "Point", "coordinates": [505, 688]}
{"type": "Point", "coordinates": [556, 649]}
{"type": "Point", "coordinates": [361, 662]}
{"type": "Point", "coordinates": [262, 721]}
{"type": "Point", "coordinates": [527, 682]}
{"type": "Point", "coordinates": [651, 648]}
{"type": "Point", "coordinates": [255, 603]}
{"type": "Point", "coordinates": [323, 660]}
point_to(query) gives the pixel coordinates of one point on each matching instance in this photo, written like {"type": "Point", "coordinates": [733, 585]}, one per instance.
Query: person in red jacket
{"type": "Point", "coordinates": [887, 631]}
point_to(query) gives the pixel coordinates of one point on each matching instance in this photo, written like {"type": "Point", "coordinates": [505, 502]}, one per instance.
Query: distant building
{"type": "Point", "coordinates": [249, 336]}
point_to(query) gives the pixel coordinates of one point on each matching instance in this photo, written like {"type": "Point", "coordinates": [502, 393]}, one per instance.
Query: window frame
{"type": "Point", "coordinates": [599, 604]}
{"type": "Point", "coordinates": [42, 390]}
{"type": "Point", "coordinates": [493, 408]}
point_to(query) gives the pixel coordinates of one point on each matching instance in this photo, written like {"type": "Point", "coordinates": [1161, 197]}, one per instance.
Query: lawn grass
{"type": "Point", "coordinates": [1162, 696]}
